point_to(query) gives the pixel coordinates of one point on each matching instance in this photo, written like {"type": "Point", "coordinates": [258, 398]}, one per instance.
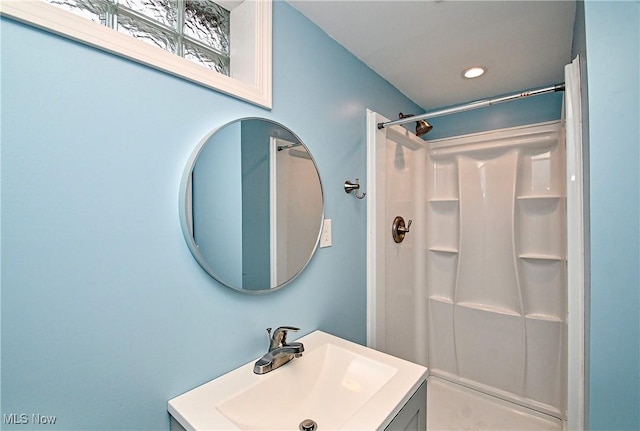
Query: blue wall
{"type": "Point", "coordinates": [612, 32]}
{"type": "Point", "coordinates": [256, 217]}
{"type": "Point", "coordinates": [520, 112]}
{"type": "Point", "coordinates": [105, 313]}
{"type": "Point", "coordinates": [218, 172]}
{"type": "Point", "coordinates": [255, 203]}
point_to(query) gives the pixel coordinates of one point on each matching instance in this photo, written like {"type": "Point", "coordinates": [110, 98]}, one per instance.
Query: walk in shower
{"type": "Point", "coordinates": [477, 290]}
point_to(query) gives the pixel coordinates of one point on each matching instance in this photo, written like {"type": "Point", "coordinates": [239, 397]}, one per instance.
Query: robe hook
{"type": "Point", "coordinates": [350, 187]}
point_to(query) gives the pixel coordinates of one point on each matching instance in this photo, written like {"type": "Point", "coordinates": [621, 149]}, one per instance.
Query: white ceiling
{"type": "Point", "coordinates": [422, 46]}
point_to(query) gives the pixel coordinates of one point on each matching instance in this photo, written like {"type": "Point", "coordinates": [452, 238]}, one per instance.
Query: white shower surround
{"type": "Point", "coordinates": [496, 278]}
{"type": "Point", "coordinates": [543, 287]}
{"type": "Point", "coordinates": [501, 332]}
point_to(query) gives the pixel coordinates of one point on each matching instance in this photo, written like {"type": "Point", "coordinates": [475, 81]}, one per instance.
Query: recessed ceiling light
{"type": "Point", "coordinates": [474, 72]}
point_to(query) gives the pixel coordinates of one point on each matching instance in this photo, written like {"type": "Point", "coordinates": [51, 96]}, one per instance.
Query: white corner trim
{"type": "Point", "coordinates": [61, 22]}
{"type": "Point", "coordinates": [371, 249]}
{"type": "Point", "coordinates": [576, 410]}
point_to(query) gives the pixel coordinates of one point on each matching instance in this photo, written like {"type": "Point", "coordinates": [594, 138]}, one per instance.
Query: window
{"type": "Point", "coordinates": [224, 45]}
{"type": "Point", "coordinates": [196, 30]}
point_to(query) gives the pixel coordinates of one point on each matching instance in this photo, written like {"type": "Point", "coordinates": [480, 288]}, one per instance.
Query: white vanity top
{"type": "Point", "coordinates": [337, 383]}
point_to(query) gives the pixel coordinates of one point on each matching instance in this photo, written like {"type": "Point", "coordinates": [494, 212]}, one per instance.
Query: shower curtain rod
{"type": "Point", "coordinates": [474, 105]}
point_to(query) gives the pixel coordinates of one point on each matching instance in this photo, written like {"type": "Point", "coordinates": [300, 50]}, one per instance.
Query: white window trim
{"type": "Point", "coordinates": [256, 65]}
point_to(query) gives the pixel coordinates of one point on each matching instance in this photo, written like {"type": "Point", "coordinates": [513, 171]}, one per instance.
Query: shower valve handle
{"type": "Point", "coordinates": [403, 229]}
{"type": "Point", "coordinates": [398, 229]}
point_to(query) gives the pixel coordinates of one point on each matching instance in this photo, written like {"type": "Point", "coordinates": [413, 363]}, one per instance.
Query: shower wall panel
{"type": "Point", "coordinates": [405, 332]}
{"type": "Point", "coordinates": [495, 251]}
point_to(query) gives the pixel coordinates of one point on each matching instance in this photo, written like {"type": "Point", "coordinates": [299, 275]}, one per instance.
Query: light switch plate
{"type": "Point", "coordinates": [325, 237]}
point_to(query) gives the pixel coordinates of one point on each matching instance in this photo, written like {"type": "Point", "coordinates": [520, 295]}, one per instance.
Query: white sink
{"type": "Point", "coordinates": [336, 383]}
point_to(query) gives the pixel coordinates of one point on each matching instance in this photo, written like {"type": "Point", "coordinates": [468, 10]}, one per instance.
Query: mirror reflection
{"type": "Point", "coordinates": [252, 205]}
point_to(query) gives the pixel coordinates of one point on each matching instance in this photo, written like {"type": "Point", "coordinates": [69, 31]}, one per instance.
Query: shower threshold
{"type": "Point", "coordinates": [451, 406]}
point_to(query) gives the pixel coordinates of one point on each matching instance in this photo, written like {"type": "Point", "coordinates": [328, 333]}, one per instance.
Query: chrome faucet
{"type": "Point", "coordinates": [280, 352]}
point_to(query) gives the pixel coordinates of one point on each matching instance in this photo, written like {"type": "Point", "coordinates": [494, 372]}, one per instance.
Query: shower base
{"type": "Point", "coordinates": [451, 406]}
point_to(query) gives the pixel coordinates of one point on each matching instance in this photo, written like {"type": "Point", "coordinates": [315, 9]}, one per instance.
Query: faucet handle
{"type": "Point", "coordinates": [287, 328]}
{"type": "Point", "coordinates": [279, 336]}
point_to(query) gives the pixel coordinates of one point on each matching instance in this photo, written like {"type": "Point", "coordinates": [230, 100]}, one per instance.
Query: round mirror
{"type": "Point", "coordinates": [251, 205]}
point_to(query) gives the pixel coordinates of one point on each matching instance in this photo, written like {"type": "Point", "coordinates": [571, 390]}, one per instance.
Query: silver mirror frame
{"type": "Point", "coordinates": [184, 205]}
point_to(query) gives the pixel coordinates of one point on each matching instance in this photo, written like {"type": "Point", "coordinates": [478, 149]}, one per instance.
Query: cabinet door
{"type": "Point", "coordinates": [413, 416]}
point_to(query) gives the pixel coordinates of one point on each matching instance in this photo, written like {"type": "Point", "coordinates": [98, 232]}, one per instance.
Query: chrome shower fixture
{"type": "Point", "coordinates": [422, 126]}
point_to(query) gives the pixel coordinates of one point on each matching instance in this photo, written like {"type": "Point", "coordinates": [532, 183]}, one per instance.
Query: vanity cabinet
{"type": "Point", "coordinates": [175, 425]}
{"type": "Point", "coordinates": [413, 415]}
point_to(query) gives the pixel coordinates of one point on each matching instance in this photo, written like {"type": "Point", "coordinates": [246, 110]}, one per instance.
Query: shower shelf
{"type": "Point", "coordinates": [443, 200]}
{"type": "Point", "coordinates": [489, 308]}
{"type": "Point", "coordinates": [538, 197]}
{"type": "Point", "coordinates": [439, 298]}
{"type": "Point", "coordinates": [535, 256]}
{"type": "Point", "coordinates": [449, 250]}
{"type": "Point", "coordinates": [544, 317]}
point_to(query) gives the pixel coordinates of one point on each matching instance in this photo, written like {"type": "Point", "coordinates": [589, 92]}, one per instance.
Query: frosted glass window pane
{"type": "Point", "coordinates": [95, 10]}
{"type": "Point", "coordinates": [147, 33]}
{"type": "Point", "coordinates": [197, 30]}
{"type": "Point", "coordinates": [163, 11]}
{"type": "Point", "coordinates": [208, 23]}
{"type": "Point", "coordinates": [208, 59]}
